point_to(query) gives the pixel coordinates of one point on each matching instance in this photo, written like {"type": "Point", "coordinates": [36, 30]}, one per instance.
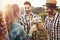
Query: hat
{"type": "Point", "coordinates": [51, 3]}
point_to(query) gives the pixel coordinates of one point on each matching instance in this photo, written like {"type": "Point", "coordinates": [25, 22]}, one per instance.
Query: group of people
{"type": "Point", "coordinates": [28, 26]}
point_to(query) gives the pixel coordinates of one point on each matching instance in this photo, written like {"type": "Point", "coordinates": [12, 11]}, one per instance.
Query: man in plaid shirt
{"type": "Point", "coordinates": [27, 17]}
{"type": "Point", "coordinates": [52, 21]}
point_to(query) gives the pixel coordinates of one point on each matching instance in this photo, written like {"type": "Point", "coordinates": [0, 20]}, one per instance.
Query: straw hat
{"type": "Point", "coordinates": [51, 3]}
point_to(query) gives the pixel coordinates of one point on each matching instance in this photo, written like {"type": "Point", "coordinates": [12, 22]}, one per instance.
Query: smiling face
{"type": "Point", "coordinates": [27, 8]}
{"type": "Point", "coordinates": [50, 11]}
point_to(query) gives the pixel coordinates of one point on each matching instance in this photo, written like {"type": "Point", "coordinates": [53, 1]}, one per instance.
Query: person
{"type": "Point", "coordinates": [52, 21]}
{"type": "Point", "coordinates": [3, 27]}
{"type": "Point", "coordinates": [37, 30]}
{"type": "Point", "coordinates": [16, 31]}
{"type": "Point", "coordinates": [8, 15]}
{"type": "Point", "coordinates": [27, 17]}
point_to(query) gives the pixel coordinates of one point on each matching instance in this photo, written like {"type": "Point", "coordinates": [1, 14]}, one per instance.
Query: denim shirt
{"type": "Point", "coordinates": [16, 31]}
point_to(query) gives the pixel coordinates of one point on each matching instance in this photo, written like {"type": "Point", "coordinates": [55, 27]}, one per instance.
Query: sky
{"type": "Point", "coordinates": [35, 3]}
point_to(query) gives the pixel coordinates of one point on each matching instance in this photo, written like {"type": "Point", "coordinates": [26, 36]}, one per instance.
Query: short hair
{"type": "Point", "coordinates": [27, 2]}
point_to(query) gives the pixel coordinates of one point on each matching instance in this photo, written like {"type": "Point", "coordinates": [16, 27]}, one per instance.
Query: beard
{"type": "Point", "coordinates": [50, 13]}
{"type": "Point", "coordinates": [28, 11]}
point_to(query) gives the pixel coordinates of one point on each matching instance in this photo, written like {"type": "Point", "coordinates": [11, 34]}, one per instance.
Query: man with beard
{"type": "Point", "coordinates": [52, 21]}
{"type": "Point", "coordinates": [27, 17]}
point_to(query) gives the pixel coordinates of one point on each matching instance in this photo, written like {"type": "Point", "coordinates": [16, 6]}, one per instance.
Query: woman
{"type": "Point", "coordinates": [9, 15]}
{"type": "Point", "coordinates": [16, 31]}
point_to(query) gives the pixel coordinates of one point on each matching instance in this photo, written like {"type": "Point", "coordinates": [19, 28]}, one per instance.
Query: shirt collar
{"type": "Point", "coordinates": [54, 16]}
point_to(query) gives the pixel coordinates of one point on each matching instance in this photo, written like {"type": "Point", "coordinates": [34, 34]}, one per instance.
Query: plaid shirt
{"type": "Point", "coordinates": [27, 23]}
{"type": "Point", "coordinates": [53, 27]}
